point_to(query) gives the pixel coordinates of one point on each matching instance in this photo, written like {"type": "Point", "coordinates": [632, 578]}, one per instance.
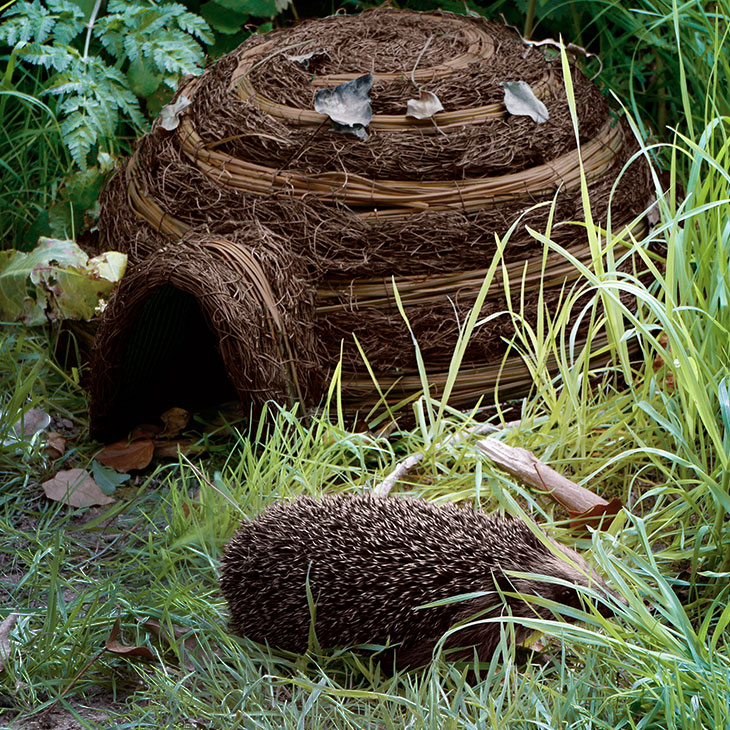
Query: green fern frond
{"type": "Point", "coordinates": [36, 22]}
{"type": "Point", "coordinates": [195, 26]}
{"type": "Point", "coordinates": [58, 58]}
{"type": "Point", "coordinates": [80, 135]}
{"type": "Point", "coordinates": [95, 95]}
{"type": "Point", "coordinates": [163, 34]}
{"type": "Point", "coordinates": [29, 22]}
{"type": "Point", "coordinates": [174, 55]}
{"type": "Point", "coordinates": [69, 20]}
{"type": "Point", "coordinates": [93, 90]}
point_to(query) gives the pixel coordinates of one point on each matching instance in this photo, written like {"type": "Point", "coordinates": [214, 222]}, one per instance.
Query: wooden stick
{"type": "Point", "coordinates": [412, 461]}
{"type": "Point", "coordinates": [518, 462]}
{"type": "Point", "coordinates": [526, 467]}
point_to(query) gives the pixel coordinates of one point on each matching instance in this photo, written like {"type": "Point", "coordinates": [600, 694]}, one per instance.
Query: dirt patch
{"type": "Point", "coordinates": [98, 711]}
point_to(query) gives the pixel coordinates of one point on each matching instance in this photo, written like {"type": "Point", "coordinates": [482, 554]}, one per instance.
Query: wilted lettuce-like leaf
{"type": "Point", "coordinates": [55, 281]}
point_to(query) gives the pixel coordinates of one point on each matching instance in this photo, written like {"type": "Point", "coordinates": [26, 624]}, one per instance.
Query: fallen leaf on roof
{"type": "Point", "coordinates": [307, 60]}
{"type": "Point", "coordinates": [347, 105]}
{"type": "Point", "coordinates": [425, 107]}
{"type": "Point", "coordinates": [170, 113]}
{"type": "Point", "coordinates": [520, 100]}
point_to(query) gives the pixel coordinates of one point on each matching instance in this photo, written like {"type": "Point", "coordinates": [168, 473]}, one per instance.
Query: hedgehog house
{"type": "Point", "coordinates": [264, 243]}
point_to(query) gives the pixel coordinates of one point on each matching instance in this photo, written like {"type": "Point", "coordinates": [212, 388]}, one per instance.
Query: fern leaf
{"type": "Point", "coordinates": [56, 57]}
{"type": "Point", "coordinates": [111, 38]}
{"type": "Point", "coordinates": [69, 20]}
{"type": "Point", "coordinates": [162, 35]}
{"type": "Point", "coordinates": [175, 55]}
{"type": "Point", "coordinates": [30, 22]}
{"type": "Point", "coordinates": [195, 26]}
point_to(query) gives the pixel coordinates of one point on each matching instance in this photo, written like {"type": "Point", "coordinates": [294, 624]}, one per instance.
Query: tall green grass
{"type": "Point", "coordinates": [33, 161]}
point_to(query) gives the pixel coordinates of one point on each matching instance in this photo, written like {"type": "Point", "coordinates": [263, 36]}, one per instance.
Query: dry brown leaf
{"type": "Point", "coordinates": [598, 517]}
{"type": "Point", "coordinates": [660, 364]}
{"type": "Point", "coordinates": [55, 445]}
{"type": "Point", "coordinates": [76, 488]}
{"type": "Point", "coordinates": [144, 431]}
{"type": "Point", "coordinates": [169, 449]}
{"type": "Point", "coordinates": [195, 503]}
{"type": "Point", "coordinates": [185, 646]}
{"type": "Point", "coordinates": [116, 647]}
{"type": "Point", "coordinates": [5, 628]}
{"type": "Point", "coordinates": [175, 420]}
{"type": "Point", "coordinates": [33, 421]}
{"type": "Point", "coordinates": [124, 456]}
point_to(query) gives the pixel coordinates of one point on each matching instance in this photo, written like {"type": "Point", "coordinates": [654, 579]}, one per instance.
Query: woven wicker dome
{"type": "Point", "coordinates": [255, 168]}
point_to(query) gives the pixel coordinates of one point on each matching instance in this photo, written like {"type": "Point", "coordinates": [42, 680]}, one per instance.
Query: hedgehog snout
{"type": "Point", "coordinates": [572, 567]}
{"type": "Point", "coordinates": [592, 580]}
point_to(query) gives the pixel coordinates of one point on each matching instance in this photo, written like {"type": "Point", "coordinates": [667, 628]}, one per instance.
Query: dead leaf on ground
{"type": "Point", "coordinates": [145, 431]}
{"type": "Point", "coordinates": [653, 215]}
{"type": "Point", "coordinates": [55, 445]}
{"type": "Point", "coordinates": [76, 488]}
{"type": "Point", "coordinates": [116, 647]}
{"type": "Point", "coordinates": [598, 517]}
{"type": "Point", "coordinates": [126, 456]}
{"type": "Point", "coordinates": [425, 107]}
{"type": "Point", "coordinates": [185, 646]}
{"type": "Point", "coordinates": [33, 421]}
{"type": "Point", "coordinates": [195, 503]}
{"type": "Point", "coordinates": [175, 420]}
{"type": "Point", "coordinates": [660, 364]}
{"type": "Point", "coordinates": [5, 628]}
{"type": "Point", "coordinates": [170, 449]}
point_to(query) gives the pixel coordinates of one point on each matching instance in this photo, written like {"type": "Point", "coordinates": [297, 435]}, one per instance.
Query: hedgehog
{"type": "Point", "coordinates": [365, 566]}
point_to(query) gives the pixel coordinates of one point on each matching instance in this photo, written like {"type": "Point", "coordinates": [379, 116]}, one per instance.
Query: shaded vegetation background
{"type": "Point", "coordinates": [73, 100]}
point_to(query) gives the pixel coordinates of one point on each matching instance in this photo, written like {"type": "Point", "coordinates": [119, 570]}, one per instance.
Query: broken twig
{"type": "Point", "coordinates": [524, 465]}
{"type": "Point", "coordinates": [412, 461]}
